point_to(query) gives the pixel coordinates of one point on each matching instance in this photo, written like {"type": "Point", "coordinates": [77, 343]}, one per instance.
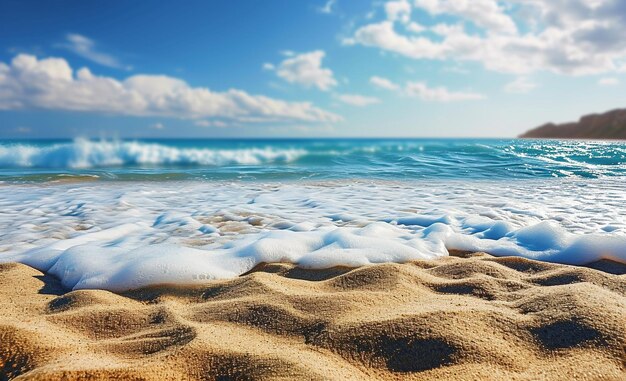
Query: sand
{"type": "Point", "coordinates": [472, 317]}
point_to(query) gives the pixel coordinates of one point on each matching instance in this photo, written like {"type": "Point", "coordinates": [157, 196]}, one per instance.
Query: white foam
{"type": "Point", "coordinates": [83, 153]}
{"type": "Point", "coordinates": [119, 236]}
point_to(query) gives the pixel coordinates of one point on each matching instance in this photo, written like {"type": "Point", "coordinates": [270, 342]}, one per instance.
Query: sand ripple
{"type": "Point", "coordinates": [453, 318]}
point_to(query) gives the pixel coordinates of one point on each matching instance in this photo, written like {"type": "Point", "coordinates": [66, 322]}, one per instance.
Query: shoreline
{"type": "Point", "coordinates": [120, 237]}
{"type": "Point", "coordinates": [66, 179]}
{"type": "Point", "coordinates": [607, 266]}
{"type": "Point", "coordinates": [465, 316]}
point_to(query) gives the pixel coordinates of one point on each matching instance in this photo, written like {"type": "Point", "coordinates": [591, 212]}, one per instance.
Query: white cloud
{"type": "Point", "coordinates": [575, 37]}
{"type": "Point", "coordinates": [52, 84]}
{"type": "Point", "coordinates": [268, 66]}
{"type": "Point", "coordinates": [487, 14]}
{"type": "Point", "coordinates": [383, 83]}
{"type": "Point", "coordinates": [448, 30]}
{"type": "Point", "coordinates": [357, 100]}
{"type": "Point", "coordinates": [521, 85]}
{"type": "Point", "coordinates": [306, 70]}
{"type": "Point", "coordinates": [415, 27]}
{"type": "Point", "coordinates": [158, 126]}
{"type": "Point", "coordinates": [86, 48]}
{"type": "Point", "coordinates": [398, 10]}
{"type": "Point", "coordinates": [608, 81]}
{"type": "Point", "coordinates": [438, 94]}
{"type": "Point", "coordinates": [383, 35]}
{"type": "Point", "coordinates": [422, 91]}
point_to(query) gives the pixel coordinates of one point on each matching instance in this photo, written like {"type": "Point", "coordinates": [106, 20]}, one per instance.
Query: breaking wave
{"type": "Point", "coordinates": [83, 153]}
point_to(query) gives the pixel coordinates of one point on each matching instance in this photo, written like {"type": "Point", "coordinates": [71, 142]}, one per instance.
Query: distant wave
{"type": "Point", "coordinates": [83, 153]}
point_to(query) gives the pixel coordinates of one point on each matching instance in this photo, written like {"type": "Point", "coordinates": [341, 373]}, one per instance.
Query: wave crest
{"type": "Point", "coordinates": [83, 153]}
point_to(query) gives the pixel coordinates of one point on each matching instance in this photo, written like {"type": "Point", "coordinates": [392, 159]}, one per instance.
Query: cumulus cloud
{"type": "Point", "coordinates": [520, 85]}
{"type": "Point", "coordinates": [86, 48]}
{"type": "Point", "coordinates": [399, 10]}
{"type": "Point", "coordinates": [383, 83]}
{"type": "Point", "coordinates": [487, 14]}
{"type": "Point", "coordinates": [51, 83]}
{"type": "Point", "coordinates": [422, 91]}
{"type": "Point", "coordinates": [357, 100]}
{"type": "Point", "coordinates": [383, 35]}
{"type": "Point", "coordinates": [575, 37]}
{"type": "Point", "coordinates": [415, 27]}
{"type": "Point", "coordinates": [306, 70]}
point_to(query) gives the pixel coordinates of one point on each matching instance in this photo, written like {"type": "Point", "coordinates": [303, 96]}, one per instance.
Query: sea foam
{"type": "Point", "coordinates": [84, 153]}
{"type": "Point", "coordinates": [120, 236]}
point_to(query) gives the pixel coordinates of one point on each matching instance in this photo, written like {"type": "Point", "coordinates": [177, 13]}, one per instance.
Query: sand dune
{"type": "Point", "coordinates": [454, 318]}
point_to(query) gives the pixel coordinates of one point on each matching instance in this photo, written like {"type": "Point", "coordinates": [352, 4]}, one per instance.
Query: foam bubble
{"type": "Point", "coordinates": [119, 236]}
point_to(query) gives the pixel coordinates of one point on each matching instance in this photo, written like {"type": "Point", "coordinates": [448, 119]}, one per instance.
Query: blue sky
{"type": "Point", "coordinates": [287, 68]}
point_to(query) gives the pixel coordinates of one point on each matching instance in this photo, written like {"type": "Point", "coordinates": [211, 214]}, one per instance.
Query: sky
{"type": "Point", "coordinates": [295, 68]}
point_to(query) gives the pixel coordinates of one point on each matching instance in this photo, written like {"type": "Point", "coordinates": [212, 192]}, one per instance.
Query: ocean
{"type": "Point", "coordinates": [316, 159]}
{"type": "Point", "coordinates": [124, 214]}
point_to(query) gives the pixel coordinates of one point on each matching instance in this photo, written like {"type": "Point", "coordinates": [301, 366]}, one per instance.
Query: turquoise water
{"type": "Point", "coordinates": [314, 203]}
{"type": "Point", "coordinates": [323, 159]}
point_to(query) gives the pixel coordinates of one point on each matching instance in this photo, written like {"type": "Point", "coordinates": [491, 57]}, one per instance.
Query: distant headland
{"type": "Point", "coordinates": [610, 125]}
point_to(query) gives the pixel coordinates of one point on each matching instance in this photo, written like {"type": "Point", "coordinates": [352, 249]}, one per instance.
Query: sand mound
{"type": "Point", "coordinates": [459, 318]}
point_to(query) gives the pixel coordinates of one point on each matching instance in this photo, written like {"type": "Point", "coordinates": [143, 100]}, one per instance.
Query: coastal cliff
{"type": "Point", "coordinates": [610, 125]}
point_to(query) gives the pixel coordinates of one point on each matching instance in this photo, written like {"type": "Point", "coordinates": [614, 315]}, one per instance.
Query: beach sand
{"type": "Point", "coordinates": [460, 317]}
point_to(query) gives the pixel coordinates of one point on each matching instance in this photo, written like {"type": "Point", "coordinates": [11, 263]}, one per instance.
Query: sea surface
{"type": "Point", "coordinates": [255, 160]}
{"type": "Point", "coordinates": [125, 214]}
